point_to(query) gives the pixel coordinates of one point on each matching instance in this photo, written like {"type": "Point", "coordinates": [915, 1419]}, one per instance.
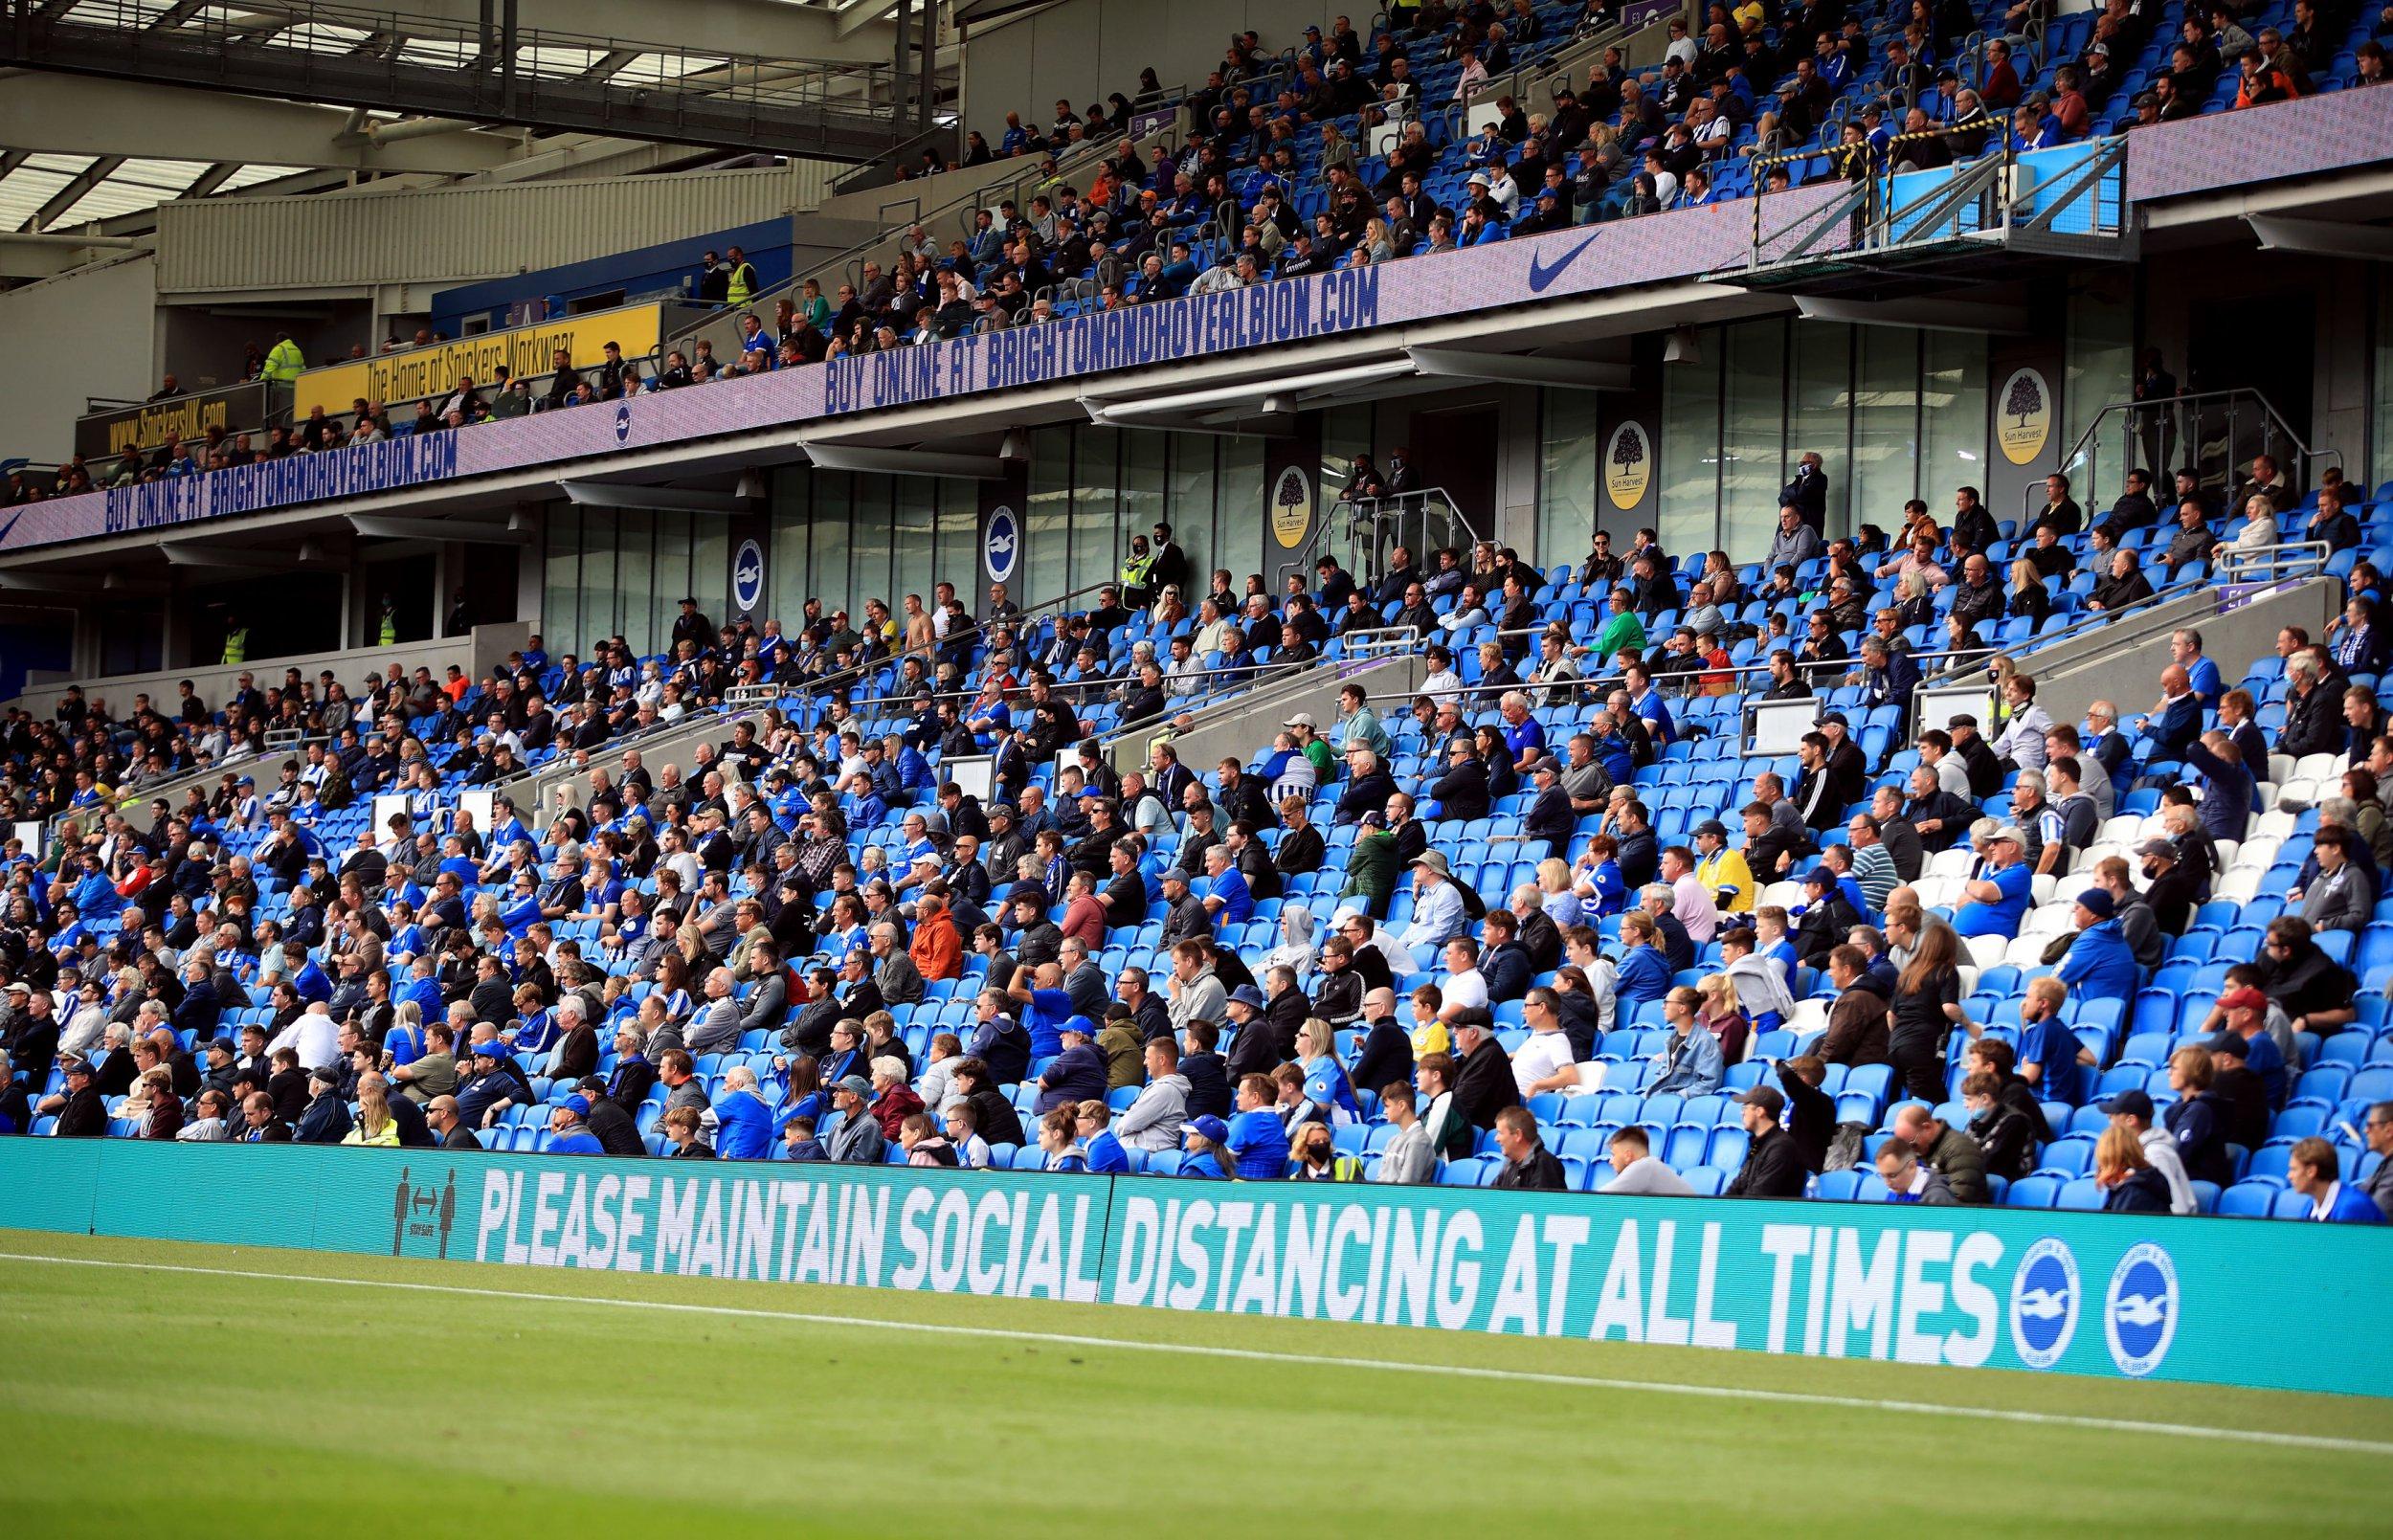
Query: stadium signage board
{"type": "Point", "coordinates": [1559, 264]}
{"type": "Point", "coordinates": [526, 353]}
{"type": "Point", "coordinates": [2094, 1294]}
{"type": "Point", "coordinates": [235, 409]}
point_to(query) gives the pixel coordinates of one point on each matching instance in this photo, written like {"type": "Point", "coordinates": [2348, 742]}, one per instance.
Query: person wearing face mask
{"type": "Point", "coordinates": [2174, 888]}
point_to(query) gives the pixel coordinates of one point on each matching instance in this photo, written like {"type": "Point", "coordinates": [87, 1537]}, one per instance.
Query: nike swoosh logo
{"type": "Point", "coordinates": [1540, 274]}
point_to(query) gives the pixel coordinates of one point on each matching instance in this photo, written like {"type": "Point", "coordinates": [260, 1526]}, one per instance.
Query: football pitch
{"type": "Point", "coordinates": [217, 1389]}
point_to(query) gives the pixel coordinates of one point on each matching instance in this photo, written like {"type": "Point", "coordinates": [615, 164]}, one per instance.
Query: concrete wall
{"type": "Point", "coordinates": [93, 334]}
{"type": "Point", "coordinates": [1084, 49]}
{"type": "Point", "coordinates": [477, 655]}
{"type": "Point", "coordinates": [2122, 663]}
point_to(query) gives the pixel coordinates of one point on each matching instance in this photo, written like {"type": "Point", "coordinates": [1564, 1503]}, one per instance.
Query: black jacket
{"type": "Point", "coordinates": [1540, 1172]}
{"type": "Point", "coordinates": [614, 1129]}
{"type": "Point", "coordinates": [1484, 1085]}
{"type": "Point", "coordinates": [1774, 1168]}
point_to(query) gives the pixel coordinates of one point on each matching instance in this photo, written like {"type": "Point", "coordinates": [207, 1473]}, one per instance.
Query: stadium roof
{"type": "Point", "coordinates": [58, 186]}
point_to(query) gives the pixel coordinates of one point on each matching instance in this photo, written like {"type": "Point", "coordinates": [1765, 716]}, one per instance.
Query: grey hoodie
{"type": "Point", "coordinates": [1153, 1120]}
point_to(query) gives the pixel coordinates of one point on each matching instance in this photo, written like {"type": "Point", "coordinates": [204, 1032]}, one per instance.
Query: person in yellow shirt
{"type": "Point", "coordinates": [1429, 1034]}
{"type": "Point", "coordinates": [1721, 870]}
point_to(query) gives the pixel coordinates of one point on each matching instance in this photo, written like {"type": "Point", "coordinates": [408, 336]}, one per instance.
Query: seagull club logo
{"type": "Point", "coordinates": [1001, 544]}
{"type": "Point", "coordinates": [623, 423]}
{"type": "Point", "coordinates": [747, 576]}
{"type": "Point", "coordinates": [422, 1212]}
{"type": "Point", "coordinates": [2043, 1303]}
{"type": "Point", "coordinates": [2139, 1309]}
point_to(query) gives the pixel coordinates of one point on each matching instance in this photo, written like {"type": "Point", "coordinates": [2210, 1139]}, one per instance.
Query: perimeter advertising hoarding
{"type": "Point", "coordinates": [413, 373]}
{"type": "Point", "coordinates": [2094, 1294]}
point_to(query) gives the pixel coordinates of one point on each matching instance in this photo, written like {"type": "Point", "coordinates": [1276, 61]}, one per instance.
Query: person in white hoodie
{"type": "Point", "coordinates": [2131, 1109]}
{"type": "Point", "coordinates": [1407, 1160]}
{"type": "Point", "coordinates": [1155, 1120]}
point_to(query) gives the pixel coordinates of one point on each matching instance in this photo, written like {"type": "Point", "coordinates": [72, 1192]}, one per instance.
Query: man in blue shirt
{"type": "Point", "coordinates": [1257, 1138]}
{"type": "Point", "coordinates": [1998, 899]}
{"type": "Point", "coordinates": [1524, 738]}
{"type": "Point", "coordinates": [2050, 1057]}
{"type": "Point", "coordinates": [567, 1133]}
{"type": "Point", "coordinates": [2312, 1169]}
{"type": "Point", "coordinates": [2202, 675]}
{"type": "Point", "coordinates": [2100, 964]}
{"type": "Point", "coordinates": [1227, 897]}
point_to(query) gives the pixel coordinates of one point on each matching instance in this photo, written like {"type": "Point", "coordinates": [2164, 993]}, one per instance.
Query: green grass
{"type": "Point", "coordinates": [139, 1399]}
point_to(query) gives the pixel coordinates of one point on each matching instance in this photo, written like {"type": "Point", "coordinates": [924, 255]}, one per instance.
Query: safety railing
{"type": "Point", "coordinates": [2067, 200]}
{"type": "Point", "coordinates": [492, 68]}
{"type": "Point", "coordinates": [2286, 562]}
{"type": "Point", "coordinates": [1361, 532]}
{"type": "Point", "coordinates": [2225, 431]}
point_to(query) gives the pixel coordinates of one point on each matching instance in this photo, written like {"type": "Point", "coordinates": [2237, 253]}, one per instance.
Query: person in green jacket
{"type": "Point", "coordinates": [284, 362]}
{"type": "Point", "coordinates": [1623, 631]}
{"type": "Point", "coordinates": [1371, 870]}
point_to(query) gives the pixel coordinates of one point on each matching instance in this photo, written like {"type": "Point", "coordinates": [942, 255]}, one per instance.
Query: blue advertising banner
{"type": "Point", "coordinates": [2109, 1296]}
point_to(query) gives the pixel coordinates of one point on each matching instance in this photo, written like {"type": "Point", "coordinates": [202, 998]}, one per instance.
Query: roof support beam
{"type": "Point", "coordinates": [80, 115]}
{"type": "Point", "coordinates": [2319, 237]}
{"type": "Point", "coordinates": [516, 531]}
{"type": "Point", "coordinates": [1514, 368]}
{"type": "Point", "coordinates": [1921, 315]}
{"type": "Point", "coordinates": [77, 186]}
{"type": "Point", "coordinates": [799, 31]}
{"type": "Point", "coordinates": [667, 499]}
{"type": "Point", "coordinates": [905, 461]}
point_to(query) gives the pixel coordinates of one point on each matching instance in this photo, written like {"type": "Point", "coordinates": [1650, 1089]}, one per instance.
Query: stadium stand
{"type": "Point", "coordinates": [1281, 170]}
{"type": "Point", "coordinates": [936, 887]}
{"type": "Point", "coordinates": [810, 928]}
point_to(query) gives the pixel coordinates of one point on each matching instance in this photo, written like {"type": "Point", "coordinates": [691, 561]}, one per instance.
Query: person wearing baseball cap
{"type": "Point", "coordinates": [568, 1128]}
{"type": "Point", "coordinates": [85, 1114]}
{"type": "Point", "coordinates": [2239, 1100]}
{"type": "Point", "coordinates": [2174, 888]}
{"type": "Point", "coordinates": [858, 1140]}
{"type": "Point", "coordinates": [2243, 1014]}
{"type": "Point", "coordinates": [1774, 1164]}
{"type": "Point", "coordinates": [1206, 1141]}
{"type": "Point", "coordinates": [2101, 963]}
{"type": "Point", "coordinates": [2132, 1110]}
{"type": "Point", "coordinates": [1995, 902]}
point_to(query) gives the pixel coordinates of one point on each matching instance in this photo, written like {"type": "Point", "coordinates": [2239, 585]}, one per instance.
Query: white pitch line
{"type": "Point", "coordinates": [1516, 1377]}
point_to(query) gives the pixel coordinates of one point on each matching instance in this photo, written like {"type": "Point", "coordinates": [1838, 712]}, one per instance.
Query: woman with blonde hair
{"type": "Point", "coordinates": [2028, 597]}
{"type": "Point", "coordinates": [2128, 1181]}
{"type": "Point", "coordinates": [1378, 242]}
{"type": "Point", "coordinates": [374, 1124]}
{"type": "Point", "coordinates": [1724, 1016]}
{"type": "Point", "coordinates": [1557, 895]}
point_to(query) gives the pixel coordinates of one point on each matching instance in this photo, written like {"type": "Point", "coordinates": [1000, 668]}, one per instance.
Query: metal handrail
{"type": "Point", "coordinates": [2283, 562]}
{"type": "Point", "coordinates": [826, 687]}
{"type": "Point", "coordinates": [1375, 514]}
{"type": "Point", "coordinates": [2165, 419]}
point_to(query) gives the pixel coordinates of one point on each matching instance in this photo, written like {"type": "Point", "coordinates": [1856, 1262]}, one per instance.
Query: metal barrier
{"type": "Point", "coordinates": [1361, 531]}
{"type": "Point", "coordinates": [2224, 429]}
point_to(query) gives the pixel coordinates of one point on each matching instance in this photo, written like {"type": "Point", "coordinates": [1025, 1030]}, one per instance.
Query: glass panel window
{"type": "Point", "coordinates": [1568, 442]}
{"type": "Point", "coordinates": [635, 547]}
{"type": "Point", "coordinates": [1753, 436]}
{"type": "Point", "coordinates": [710, 567]}
{"type": "Point", "coordinates": [827, 568]}
{"type": "Point", "coordinates": [1096, 508]}
{"type": "Point", "coordinates": [1237, 514]}
{"type": "Point", "coordinates": [672, 574]}
{"type": "Point", "coordinates": [1689, 513]}
{"type": "Point", "coordinates": [916, 540]}
{"type": "Point", "coordinates": [1886, 425]}
{"type": "Point", "coordinates": [1047, 522]}
{"type": "Point", "coordinates": [1953, 419]}
{"type": "Point", "coordinates": [792, 495]}
{"type": "Point", "coordinates": [1820, 380]}
{"type": "Point", "coordinates": [596, 621]}
{"type": "Point", "coordinates": [870, 577]}
{"type": "Point", "coordinates": [560, 587]}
